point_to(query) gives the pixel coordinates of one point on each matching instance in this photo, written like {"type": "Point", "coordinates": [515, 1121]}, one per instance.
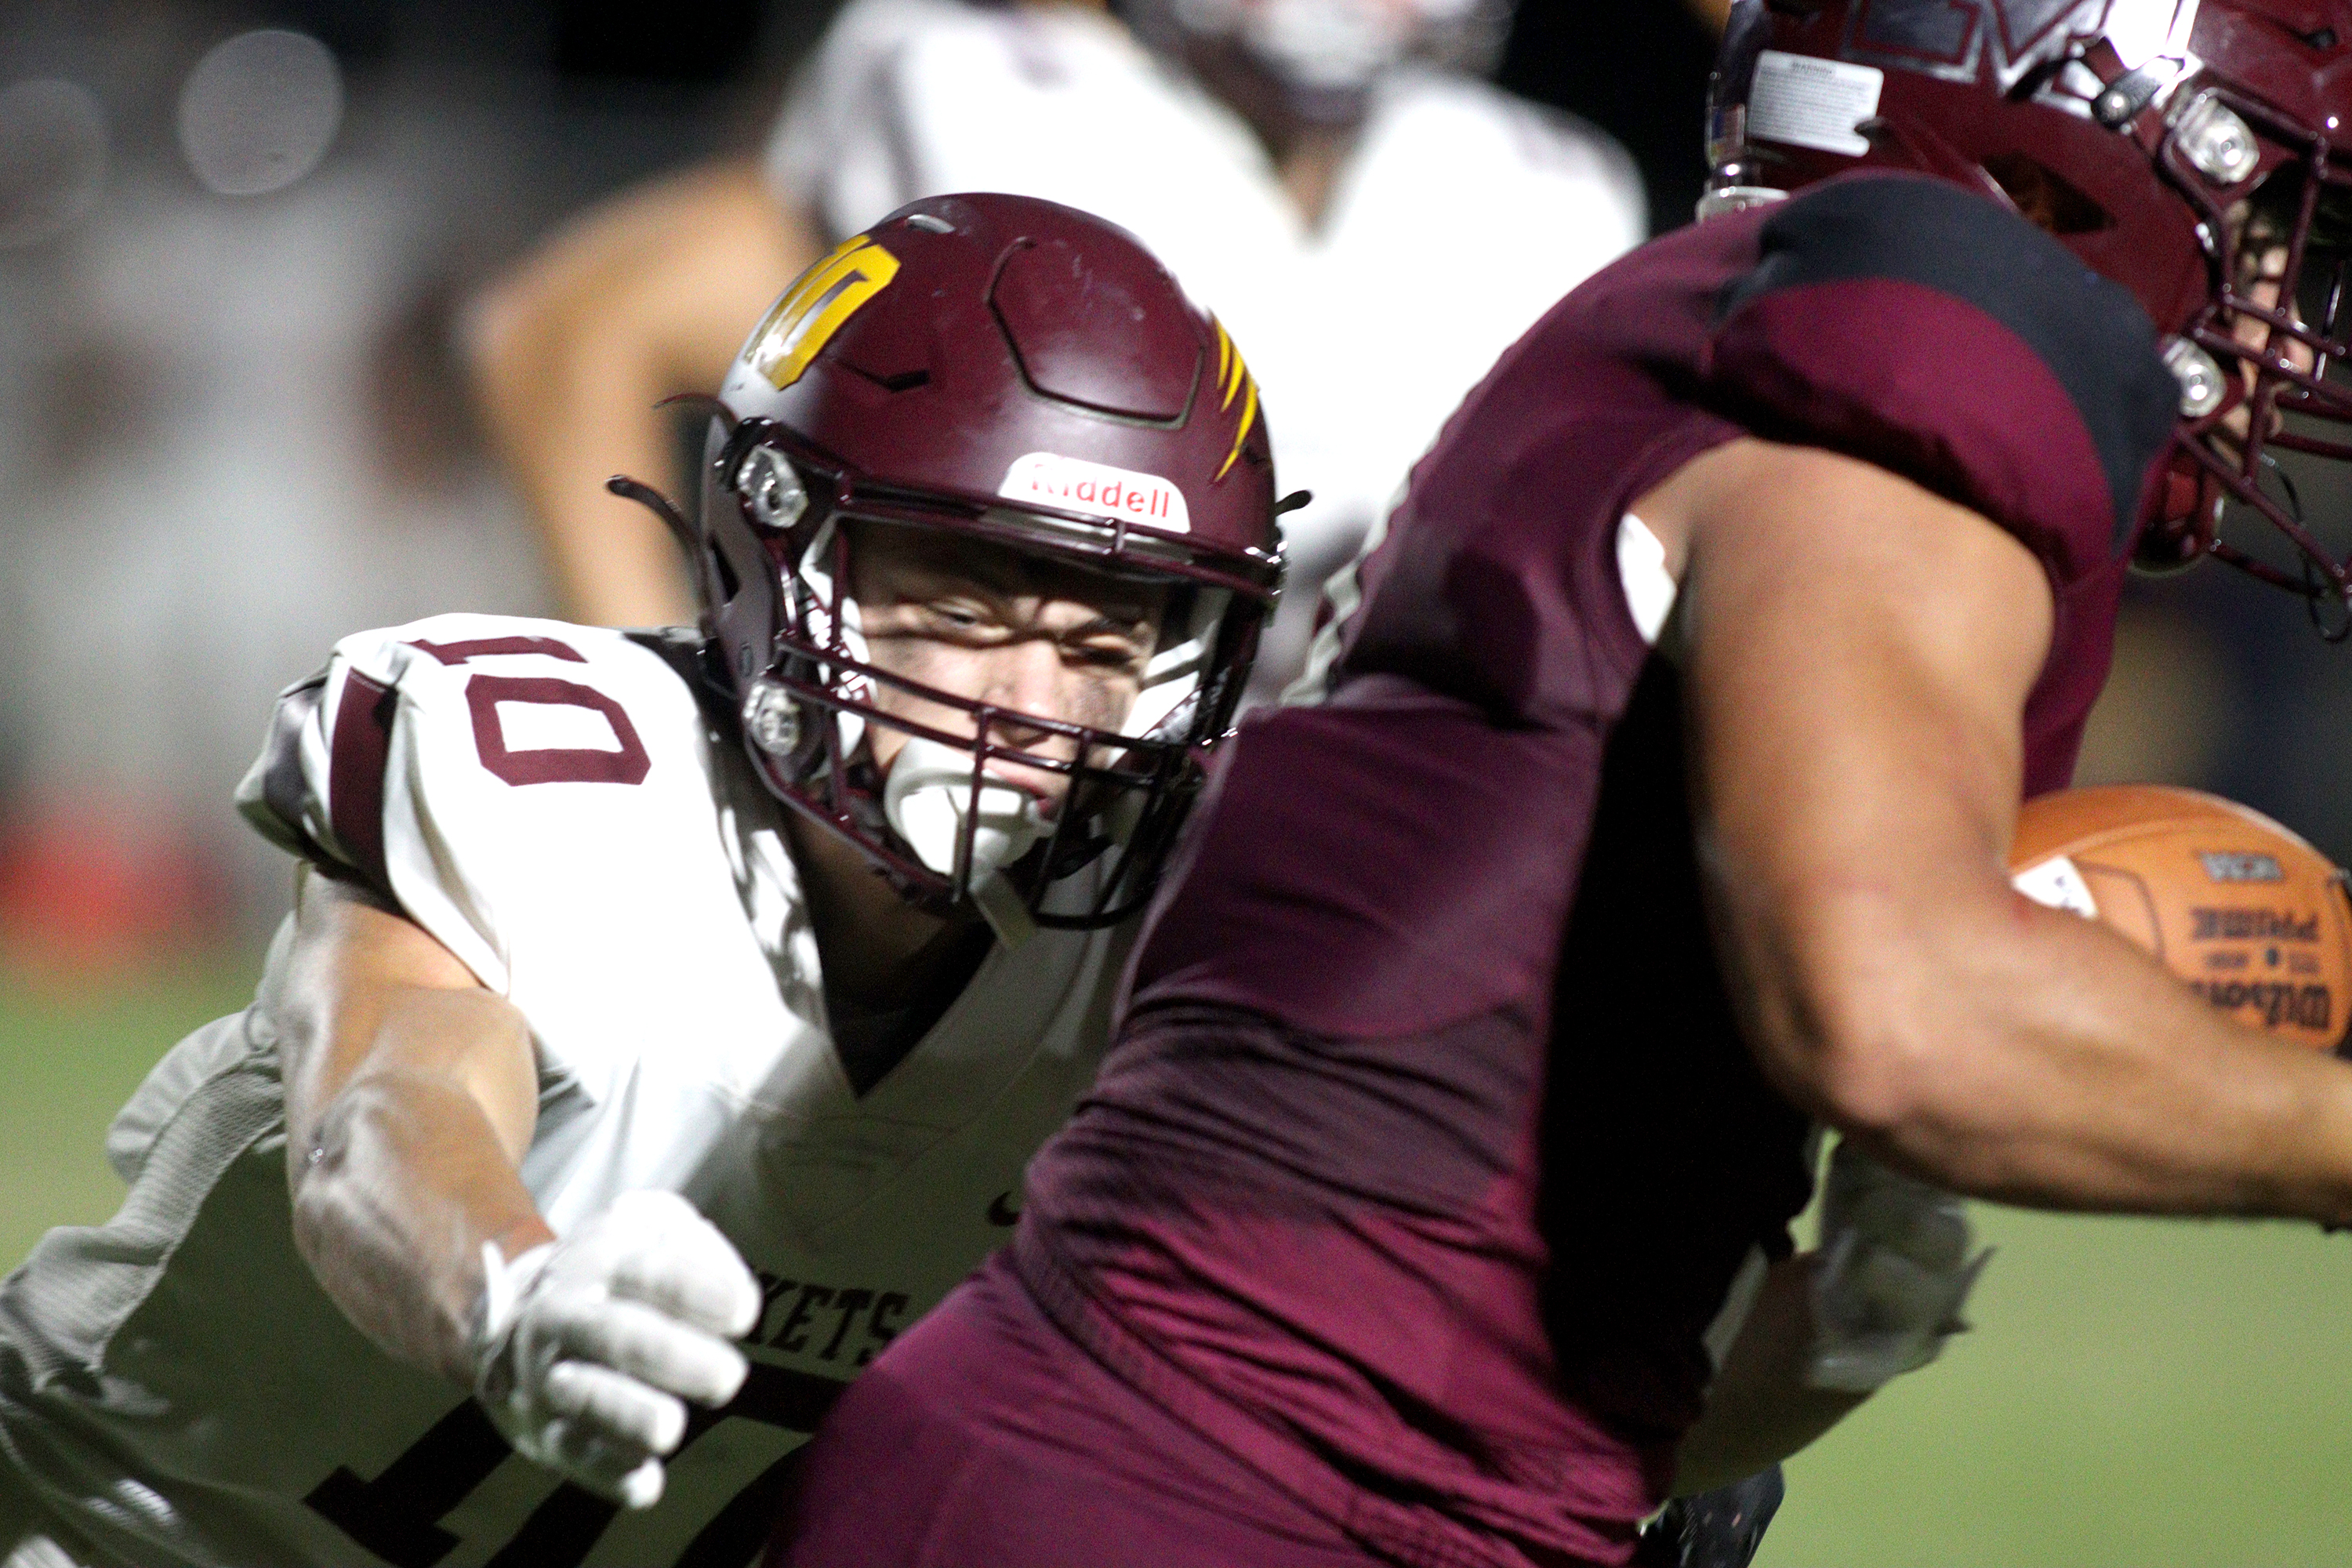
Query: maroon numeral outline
{"type": "Point", "coordinates": [478, 647]}
{"type": "Point", "coordinates": [554, 764]}
{"type": "Point", "coordinates": [557, 764]}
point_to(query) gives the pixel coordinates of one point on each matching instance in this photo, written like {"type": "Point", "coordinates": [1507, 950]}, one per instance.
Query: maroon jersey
{"type": "Point", "coordinates": [1428, 1147]}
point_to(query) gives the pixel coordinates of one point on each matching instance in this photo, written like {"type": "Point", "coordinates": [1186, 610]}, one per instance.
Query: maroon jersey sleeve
{"type": "Point", "coordinates": [1935, 332]}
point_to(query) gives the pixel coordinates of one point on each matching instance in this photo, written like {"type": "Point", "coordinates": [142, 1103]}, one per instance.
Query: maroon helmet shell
{"type": "Point", "coordinates": [2142, 133]}
{"type": "Point", "coordinates": [1015, 371]}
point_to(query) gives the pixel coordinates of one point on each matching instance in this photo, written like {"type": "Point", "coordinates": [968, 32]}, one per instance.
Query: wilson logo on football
{"type": "Point", "coordinates": [1073, 484]}
{"type": "Point", "coordinates": [2251, 925]}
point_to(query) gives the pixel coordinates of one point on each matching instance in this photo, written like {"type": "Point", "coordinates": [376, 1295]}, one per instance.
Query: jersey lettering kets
{"type": "Point", "coordinates": [396, 1515]}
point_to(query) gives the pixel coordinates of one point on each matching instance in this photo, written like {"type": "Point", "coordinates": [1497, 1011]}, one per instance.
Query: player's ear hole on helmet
{"type": "Point", "coordinates": [2044, 197]}
{"type": "Point", "coordinates": [723, 571]}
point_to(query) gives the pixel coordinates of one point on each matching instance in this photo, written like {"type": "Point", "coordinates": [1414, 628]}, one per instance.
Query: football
{"type": "Point", "coordinates": [2253, 919]}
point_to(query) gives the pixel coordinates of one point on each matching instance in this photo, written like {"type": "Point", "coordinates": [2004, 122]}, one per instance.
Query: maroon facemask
{"type": "Point", "coordinates": [2190, 149]}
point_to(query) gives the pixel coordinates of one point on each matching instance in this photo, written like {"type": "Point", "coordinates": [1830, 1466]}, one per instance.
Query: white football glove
{"type": "Point", "coordinates": [1892, 1273]}
{"type": "Point", "coordinates": [587, 1345]}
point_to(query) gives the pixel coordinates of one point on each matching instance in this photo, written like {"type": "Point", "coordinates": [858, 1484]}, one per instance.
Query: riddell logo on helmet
{"type": "Point", "coordinates": [1073, 484]}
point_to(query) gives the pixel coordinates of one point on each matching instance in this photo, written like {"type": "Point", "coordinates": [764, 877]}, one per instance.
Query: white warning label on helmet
{"type": "Point", "coordinates": [2057, 883]}
{"type": "Point", "coordinates": [1073, 484]}
{"type": "Point", "coordinates": [1811, 102]}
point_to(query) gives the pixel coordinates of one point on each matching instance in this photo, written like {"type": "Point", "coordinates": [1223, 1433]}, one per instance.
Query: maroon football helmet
{"type": "Point", "coordinates": [1016, 372]}
{"type": "Point", "coordinates": [2197, 151]}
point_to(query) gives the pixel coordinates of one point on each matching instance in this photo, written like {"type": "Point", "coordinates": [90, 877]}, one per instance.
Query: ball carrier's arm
{"type": "Point", "coordinates": [1860, 653]}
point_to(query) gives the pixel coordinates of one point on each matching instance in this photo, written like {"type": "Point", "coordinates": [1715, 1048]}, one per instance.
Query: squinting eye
{"type": "Point", "coordinates": [1121, 656]}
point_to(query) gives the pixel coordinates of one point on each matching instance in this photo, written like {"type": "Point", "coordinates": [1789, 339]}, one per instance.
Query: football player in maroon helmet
{"type": "Point", "coordinates": [1036, 387]}
{"type": "Point", "coordinates": [2188, 152]}
{"type": "Point", "coordinates": [1652, 809]}
{"type": "Point", "coordinates": [648, 993]}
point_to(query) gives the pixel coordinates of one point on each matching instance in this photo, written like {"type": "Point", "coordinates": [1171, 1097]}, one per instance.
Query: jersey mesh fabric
{"type": "Point", "coordinates": [1428, 1148]}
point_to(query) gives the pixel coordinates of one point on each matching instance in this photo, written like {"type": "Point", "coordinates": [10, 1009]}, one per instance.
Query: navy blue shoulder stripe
{"type": "Point", "coordinates": [2088, 329]}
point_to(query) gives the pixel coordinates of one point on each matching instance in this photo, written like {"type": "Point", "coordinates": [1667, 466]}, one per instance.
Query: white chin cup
{"type": "Point", "coordinates": [928, 790]}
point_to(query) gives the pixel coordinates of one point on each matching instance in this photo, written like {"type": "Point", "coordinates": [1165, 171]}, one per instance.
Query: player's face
{"type": "Point", "coordinates": [988, 625]}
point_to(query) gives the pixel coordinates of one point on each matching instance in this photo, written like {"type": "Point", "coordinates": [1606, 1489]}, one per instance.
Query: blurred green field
{"type": "Point", "coordinates": [2135, 1393]}
{"type": "Point", "coordinates": [69, 1058]}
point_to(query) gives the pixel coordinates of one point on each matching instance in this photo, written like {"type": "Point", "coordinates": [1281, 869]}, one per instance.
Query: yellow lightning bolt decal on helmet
{"type": "Point", "coordinates": [1234, 379]}
{"type": "Point", "coordinates": [814, 308]}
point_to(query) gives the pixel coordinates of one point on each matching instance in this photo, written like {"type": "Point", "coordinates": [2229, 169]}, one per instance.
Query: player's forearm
{"type": "Point", "coordinates": [411, 1094]}
{"type": "Point", "coordinates": [1859, 655]}
{"type": "Point", "coordinates": [399, 1187]}
{"type": "Point", "coordinates": [1760, 1408]}
{"type": "Point", "coordinates": [2035, 1059]}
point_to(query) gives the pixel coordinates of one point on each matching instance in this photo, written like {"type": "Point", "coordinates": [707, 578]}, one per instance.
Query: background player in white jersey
{"type": "Point", "coordinates": [601, 935]}
{"type": "Point", "coordinates": [1319, 168]}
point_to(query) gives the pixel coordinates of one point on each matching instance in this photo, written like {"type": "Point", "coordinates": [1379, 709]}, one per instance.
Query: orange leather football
{"type": "Point", "coordinates": [2256, 919]}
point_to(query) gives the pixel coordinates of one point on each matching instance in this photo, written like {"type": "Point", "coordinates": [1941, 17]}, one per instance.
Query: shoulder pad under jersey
{"type": "Point", "coordinates": [466, 765]}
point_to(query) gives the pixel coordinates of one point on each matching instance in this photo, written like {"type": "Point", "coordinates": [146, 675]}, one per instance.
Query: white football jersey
{"type": "Point", "coordinates": [1460, 217]}
{"type": "Point", "coordinates": [555, 806]}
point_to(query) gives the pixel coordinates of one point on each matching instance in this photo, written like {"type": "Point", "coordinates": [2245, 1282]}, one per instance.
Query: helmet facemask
{"type": "Point", "coordinates": [2266, 367]}
{"type": "Point", "coordinates": [941, 820]}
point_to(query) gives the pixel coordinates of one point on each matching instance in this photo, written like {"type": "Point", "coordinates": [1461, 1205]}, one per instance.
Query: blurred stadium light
{"type": "Point", "coordinates": [258, 111]}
